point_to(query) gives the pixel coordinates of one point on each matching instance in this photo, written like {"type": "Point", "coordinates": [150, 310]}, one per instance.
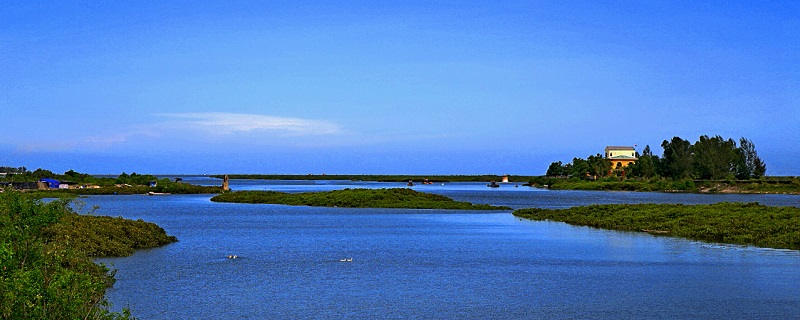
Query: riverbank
{"type": "Point", "coordinates": [46, 270]}
{"type": "Point", "coordinates": [161, 188]}
{"type": "Point", "coordinates": [777, 185]}
{"type": "Point", "coordinates": [355, 198]}
{"type": "Point", "coordinates": [731, 223]}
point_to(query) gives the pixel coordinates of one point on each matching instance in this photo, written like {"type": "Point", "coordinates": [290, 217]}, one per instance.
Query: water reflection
{"type": "Point", "coordinates": [433, 264]}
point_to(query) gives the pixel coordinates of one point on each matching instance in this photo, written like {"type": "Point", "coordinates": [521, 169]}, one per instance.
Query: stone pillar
{"type": "Point", "coordinates": [225, 186]}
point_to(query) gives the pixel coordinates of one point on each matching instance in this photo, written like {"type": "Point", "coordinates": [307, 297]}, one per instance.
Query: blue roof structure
{"type": "Point", "coordinates": [52, 183]}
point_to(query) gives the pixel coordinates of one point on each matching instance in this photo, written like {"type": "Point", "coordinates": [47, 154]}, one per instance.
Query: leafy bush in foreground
{"type": "Point", "coordinates": [45, 270]}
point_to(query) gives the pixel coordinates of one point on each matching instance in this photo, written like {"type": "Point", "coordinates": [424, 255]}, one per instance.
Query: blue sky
{"type": "Point", "coordinates": [389, 87]}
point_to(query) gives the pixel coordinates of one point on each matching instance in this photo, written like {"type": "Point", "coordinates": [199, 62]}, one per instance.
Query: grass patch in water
{"type": "Point", "coordinates": [355, 198]}
{"type": "Point", "coordinates": [732, 223]}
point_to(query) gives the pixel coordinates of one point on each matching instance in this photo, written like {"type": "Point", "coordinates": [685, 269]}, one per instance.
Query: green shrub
{"type": "Point", "coordinates": [45, 272]}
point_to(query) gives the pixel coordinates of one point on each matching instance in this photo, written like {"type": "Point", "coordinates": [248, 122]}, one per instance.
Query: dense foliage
{"type": "Point", "coordinates": [735, 223]}
{"type": "Point", "coordinates": [45, 269]}
{"type": "Point", "coordinates": [40, 278]}
{"type": "Point", "coordinates": [709, 158]}
{"type": "Point", "coordinates": [355, 198]}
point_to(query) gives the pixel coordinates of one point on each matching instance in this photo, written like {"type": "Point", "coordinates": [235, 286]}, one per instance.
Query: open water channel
{"type": "Point", "coordinates": [436, 264]}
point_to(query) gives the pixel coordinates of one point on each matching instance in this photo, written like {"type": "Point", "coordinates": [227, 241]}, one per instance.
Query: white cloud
{"type": "Point", "coordinates": [178, 129]}
{"type": "Point", "coordinates": [229, 123]}
{"type": "Point", "coordinates": [78, 143]}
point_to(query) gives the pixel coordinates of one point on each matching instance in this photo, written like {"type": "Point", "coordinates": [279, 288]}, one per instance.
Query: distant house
{"type": "Point", "coordinates": [620, 156]}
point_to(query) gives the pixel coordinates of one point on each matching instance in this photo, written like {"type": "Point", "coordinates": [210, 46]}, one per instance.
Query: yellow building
{"type": "Point", "coordinates": [620, 156]}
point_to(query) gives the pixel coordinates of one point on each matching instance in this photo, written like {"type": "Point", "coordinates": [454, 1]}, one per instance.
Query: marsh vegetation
{"type": "Point", "coordinates": [356, 198]}
{"type": "Point", "coordinates": [733, 223]}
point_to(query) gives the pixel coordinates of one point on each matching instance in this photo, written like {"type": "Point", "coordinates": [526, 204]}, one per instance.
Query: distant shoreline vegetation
{"type": "Point", "coordinates": [766, 185]}
{"type": "Point", "coordinates": [355, 198]}
{"type": "Point", "coordinates": [709, 158]}
{"type": "Point", "coordinates": [710, 165]}
{"type": "Point", "coordinates": [164, 186]}
{"type": "Point", "coordinates": [85, 184]}
{"type": "Point", "coordinates": [378, 178]}
{"type": "Point", "coordinates": [730, 223]}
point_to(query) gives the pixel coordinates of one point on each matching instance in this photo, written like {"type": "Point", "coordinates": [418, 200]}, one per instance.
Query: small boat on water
{"type": "Point", "coordinates": [493, 185]}
{"type": "Point", "coordinates": [151, 193]}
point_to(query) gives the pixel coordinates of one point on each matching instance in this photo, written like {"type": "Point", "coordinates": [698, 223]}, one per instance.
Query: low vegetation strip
{"type": "Point", "coordinates": [355, 198]}
{"type": "Point", "coordinates": [777, 185]}
{"type": "Point", "coordinates": [173, 188]}
{"type": "Point", "coordinates": [379, 178]}
{"type": "Point", "coordinates": [733, 223]}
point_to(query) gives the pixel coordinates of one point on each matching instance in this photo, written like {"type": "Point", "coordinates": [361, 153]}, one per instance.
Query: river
{"type": "Point", "coordinates": [436, 264]}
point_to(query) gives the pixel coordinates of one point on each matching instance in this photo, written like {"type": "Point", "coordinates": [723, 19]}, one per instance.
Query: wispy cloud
{"type": "Point", "coordinates": [178, 129]}
{"type": "Point", "coordinates": [82, 143]}
{"type": "Point", "coordinates": [230, 123]}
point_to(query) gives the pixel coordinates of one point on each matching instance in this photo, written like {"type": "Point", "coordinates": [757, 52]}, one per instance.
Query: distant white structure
{"type": "Point", "coordinates": [620, 156]}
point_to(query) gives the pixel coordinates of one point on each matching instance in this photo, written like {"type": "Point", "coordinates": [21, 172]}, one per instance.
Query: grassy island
{"type": "Point", "coordinates": [355, 198]}
{"type": "Point", "coordinates": [733, 223]}
{"type": "Point", "coordinates": [46, 270]}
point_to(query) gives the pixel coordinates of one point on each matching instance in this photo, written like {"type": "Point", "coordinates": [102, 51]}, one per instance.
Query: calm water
{"type": "Point", "coordinates": [437, 264]}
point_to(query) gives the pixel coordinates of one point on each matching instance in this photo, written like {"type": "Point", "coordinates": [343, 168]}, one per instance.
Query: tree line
{"type": "Point", "coordinates": [22, 174]}
{"type": "Point", "coordinates": [709, 158]}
